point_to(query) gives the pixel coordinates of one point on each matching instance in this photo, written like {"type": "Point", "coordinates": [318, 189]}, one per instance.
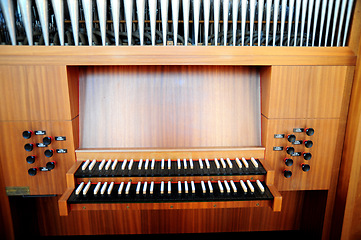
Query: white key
{"type": "Point", "coordinates": [179, 187]}
{"type": "Point", "coordinates": [92, 164]}
{"type": "Point", "coordinates": [193, 187]}
{"type": "Point", "coordinates": [124, 164]}
{"type": "Point", "coordinates": [243, 186]}
{"type": "Point", "coordinates": [96, 189]}
{"type": "Point", "coordinates": [254, 162]}
{"type": "Point", "coordinates": [260, 186]}
{"type": "Point", "coordinates": [145, 188]}
{"type": "Point", "coordinates": [130, 164]}
{"type": "Point", "coordinates": [250, 185]}
{"type": "Point", "coordinates": [178, 164]}
{"type": "Point", "coordinates": [207, 163]}
{"type": "Point", "coordinates": [210, 187]}
{"type": "Point", "coordinates": [220, 186]}
{"type": "Point", "coordinates": [230, 165]}
{"type": "Point", "coordinates": [140, 164]}
{"type": "Point", "coordinates": [185, 187]}
{"type": "Point", "coordinates": [105, 185]}
{"type": "Point", "coordinates": [169, 187]}
{"type": "Point", "coordinates": [146, 164]}
{"type": "Point", "coordinates": [161, 187]}
{"type": "Point", "coordinates": [86, 189]}
{"type": "Point", "coordinates": [245, 162]}
{"type": "Point", "coordinates": [85, 165]}
{"type": "Point", "coordinates": [138, 188]}
{"type": "Point", "coordinates": [200, 163]}
{"type": "Point", "coordinates": [223, 163]}
{"type": "Point", "coordinates": [233, 186]}
{"type": "Point", "coordinates": [128, 188]}
{"type": "Point", "coordinates": [153, 164]}
{"type": "Point", "coordinates": [238, 163]}
{"type": "Point", "coordinates": [107, 166]}
{"type": "Point", "coordinates": [191, 163]}
{"type": "Point", "coordinates": [227, 186]}
{"type": "Point", "coordinates": [114, 165]}
{"type": "Point", "coordinates": [169, 163]}
{"type": "Point", "coordinates": [101, 165]}
{"type": "Point", "coordinates": [151, 188]}
{"type": "Point", "coordinates": [162, 164]}
{"type": "Point", "coordinates": [110, 189]}
{"type": "Point", "coordinates": [120, 189]}
{"type": "Point", "coordinates": [217, 163]}
{"type": "Point", "coordinates": [185, 163]}
{"type": "Point", "coordinates": [204, 190]}
{"type": "Point", "coordinates": [79, 188]}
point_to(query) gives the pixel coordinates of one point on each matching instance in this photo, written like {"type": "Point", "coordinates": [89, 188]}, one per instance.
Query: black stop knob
{"type": "Point", "coordinates": [309, 131]}
{"type": "Point", "coordinates": [32, 171]}
{"type": "Point", "coordinates": [50, 165]}
{"type": "Point", "coordinates": [305, 167]}
{"type": "Point", "coordinates": [27, 134]}
{"type": "Point", "coordinates": [29, 147]}
{"type": "Point", "coordinates": [308, 143]}
{"type": "Point", "coordinates": [30, 159]}
{"type": "Point", "coordinates": [49, 153]}
{"type": "Point", "coordinates": [307, 156]}
{"type": "Point", "coordinates": [291, 138]}
{"type": "Point", "coordinates": [47, 140]}
{"type": "Point", "coordinates": [288, 162]}
{"type": "Point", "coordinates": [287, 173]}
{"type": "Point", "coordinates": [290, 150]}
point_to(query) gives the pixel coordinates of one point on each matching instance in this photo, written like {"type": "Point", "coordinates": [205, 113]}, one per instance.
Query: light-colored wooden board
{"type": "Point", "coordinates": [180, 55]}
{"type": "Point", "coordinates": [169, 107]}
{"type": "Point", "coordinates": [33, 93]}
{"type": "Point", "coordinates": [305, 92]}
{"type": "Point", "coordinates": [194, 153]}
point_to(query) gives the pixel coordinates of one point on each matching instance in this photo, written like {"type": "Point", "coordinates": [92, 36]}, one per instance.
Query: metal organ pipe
{"type": "Point", "coordinates": [302, 22]}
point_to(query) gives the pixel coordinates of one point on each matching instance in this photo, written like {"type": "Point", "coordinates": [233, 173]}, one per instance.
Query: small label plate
{"type": "Point", "coordinates": [40, 132]}
{"type": "Point", "coordinates": [277, 148]}
{"type": "Point", "coordinates": [16, 191]}
{"type": "Point", "coordinates": [61, 150]}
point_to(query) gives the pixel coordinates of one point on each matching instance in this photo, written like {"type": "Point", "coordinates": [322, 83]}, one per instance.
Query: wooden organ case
{"type": "Point", "coordinates": [257, 135]}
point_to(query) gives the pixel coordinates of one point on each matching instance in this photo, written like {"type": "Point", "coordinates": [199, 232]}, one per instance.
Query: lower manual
{"type": "Point", "coordinates": [126, 192]}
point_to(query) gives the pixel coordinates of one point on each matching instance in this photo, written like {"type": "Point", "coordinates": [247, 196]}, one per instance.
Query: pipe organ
{"type": "Point", "coordinates": [157, 117]}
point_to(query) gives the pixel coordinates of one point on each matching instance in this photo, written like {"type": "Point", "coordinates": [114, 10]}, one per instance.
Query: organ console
{"type": "Point", "coordinates": [157, 117]}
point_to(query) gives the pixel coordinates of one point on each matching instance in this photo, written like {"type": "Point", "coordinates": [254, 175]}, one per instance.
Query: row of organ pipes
{"type": "Point", "coordinates": [313, 23]}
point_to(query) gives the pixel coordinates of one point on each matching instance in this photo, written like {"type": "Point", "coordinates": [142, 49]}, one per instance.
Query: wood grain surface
{"type": "Point", "coordinates": [305, 92]}
{"type": "Point", "coordinates": [179, 55]}
{"type": "Point", "coordinates": [35, 93]}
{"type": "Point", "coordinates": [169, 107]}
{"type": "Point", "coordinates": [324, 152]}
{"type": "Point", "coordinates": [130, 221]}
{"type": "Point", "coordinates": [13, 159]}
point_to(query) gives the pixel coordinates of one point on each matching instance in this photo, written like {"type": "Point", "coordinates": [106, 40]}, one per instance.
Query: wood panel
{"type": "Point", "coordinates": [348, 211]}
{"type": "Point", "coordinates": [6, 221]}
{"type": "Point", "coordinates": [194, 153]}
{"type": "Point", "coordinates": [305, 92]}
{"type": "Point", "coordinates": [169, 107]}
{"type": "Point", "coordinates": [324, 152]}
{"type": "Point", "coordinates": [170, 221]}
{"type": "Point", "coordinates": [179, 55]}
{"type": "Point", "coordinates": [34, 93]}
{"type": "Point", "coordinates": [14, 165]}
